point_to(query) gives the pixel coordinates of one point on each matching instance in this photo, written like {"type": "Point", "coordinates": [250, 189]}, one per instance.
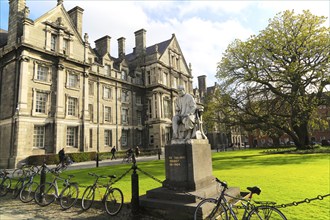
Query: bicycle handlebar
{"type": "Point", "coordinates": [223, 184]}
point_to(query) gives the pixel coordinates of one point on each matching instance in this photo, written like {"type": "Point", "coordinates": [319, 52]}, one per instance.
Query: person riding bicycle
{"type": "Point", "coordinates": [129, 153]}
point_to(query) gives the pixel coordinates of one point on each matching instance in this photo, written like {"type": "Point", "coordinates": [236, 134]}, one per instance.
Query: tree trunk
{"type": "Point", "coordinates": [302, 141]}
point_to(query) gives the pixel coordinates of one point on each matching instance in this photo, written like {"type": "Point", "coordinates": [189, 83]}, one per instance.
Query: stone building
{"type": "Point", "coordinates": [58, 92]}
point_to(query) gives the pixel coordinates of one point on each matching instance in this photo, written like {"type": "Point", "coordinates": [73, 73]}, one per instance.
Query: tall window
{"type": "Point", "coordinates": [139, 117]}
{"type": "Point", "coordinates": [167, 109]}
{"type": "Point", "coordinates": [148, 77]}
{"type": "Point", "coordinates": [91, 88]}
{"type": "Point", "coordinates": [53, 42]}
{"type": "Point", "coordinates": [39, 136]}
{"type": "Point", "coordinates": [72, 80]}
{"type": "Point", "coordinates": [107, 114]}
{"type": "Point", "coordinates": [107, 69]}
{"type": "Point", "coordinates": [124, 115]}
{"type": "Point", "coordinates": [175, 83]}
{"type": "Point", "coordinates": [149, 109]}
{"type": "Point", "coordinates": [91, 138]}
{"type": "Point", "coordinates": [165, 79]}
{"type": "Point", "coordinates": [125, 96]}
{"type": "Point", "coordinates": [42, 73]}
{"type": "Point", "coordinates": [123, 75]}
{"type": "Point", "coordinates": [124, 136]}
{"type": "Point", "coordinates": [139, 137]}
{"type": "Point", "coordinates": [71, 136]}
{"type": "Point", "coordinates": [106, 92]}
{"type": "Point", "coordinates": [107, 137]}
{"type": "Point", "coordinates": [138, 100]}
{"type": "Point", "coordinates": [41, 102]}
{"type": "Point", "coordinates": [72, 106]}
{"type": "Point", "coordinates": [90, 111]}
{"type": "Point", "coordinates": [65, 46]}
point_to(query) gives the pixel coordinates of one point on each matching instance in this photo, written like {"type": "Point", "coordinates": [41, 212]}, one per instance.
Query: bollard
{"type": "Point", "coordinates": [42, 181]}
{"type": "Point", "coordinates": [159, 153]}
{"type": "Point", "coordinates": [135, 189]}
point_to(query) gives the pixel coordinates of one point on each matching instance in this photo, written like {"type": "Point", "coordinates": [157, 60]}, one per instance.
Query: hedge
{"type": "Point", "coordinates": [82, 156]}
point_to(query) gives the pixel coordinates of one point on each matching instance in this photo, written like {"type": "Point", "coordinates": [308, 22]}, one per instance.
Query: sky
{"type": "Point", "coordinates": [204, 29]}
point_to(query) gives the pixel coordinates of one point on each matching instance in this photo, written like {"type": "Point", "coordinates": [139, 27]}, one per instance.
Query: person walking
{"type": "Point", "coordinates": [61, 156]}
{"type": "Point", "coordinates": [137, 151]}
{"type": "Point", "coordinates": [113, 152]}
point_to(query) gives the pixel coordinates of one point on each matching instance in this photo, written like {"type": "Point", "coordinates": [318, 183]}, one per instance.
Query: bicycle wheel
{"type": "Point", "coordinates": [27, 193]}
{"type": "Point", "coordinates": [208, 209]}
{"type": "Point", "coordinates": [69, 196]}
{"type": "Point", "coordinates": [88, 198]}
{"type": "Point", "coordinates": [114, 201]}
{"type": "Point", "coordinates": [18, 187]}
{"type": "Point", "coordinates": [5, 186]}
{"type": "Point", "coordinates": [18, 173]}
{"type": "Point", "coordinates": [266, 212]}
{"type": "Point", "coordinates": [45, 194]}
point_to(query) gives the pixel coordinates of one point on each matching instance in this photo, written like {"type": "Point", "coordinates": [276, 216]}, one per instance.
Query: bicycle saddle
{"type": "Point", "coordinates": [254, 189]}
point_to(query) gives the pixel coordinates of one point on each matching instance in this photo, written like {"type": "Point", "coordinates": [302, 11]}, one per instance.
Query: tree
{"type": "Point", "coordinates": [276, 79]}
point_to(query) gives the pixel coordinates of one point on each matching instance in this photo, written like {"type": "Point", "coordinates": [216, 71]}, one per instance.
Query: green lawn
{"type": "Point", "coordinates": [283, 178]}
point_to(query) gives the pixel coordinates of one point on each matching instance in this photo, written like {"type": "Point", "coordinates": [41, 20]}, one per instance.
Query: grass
{"type": "Point", "coordinates": [283, 178]}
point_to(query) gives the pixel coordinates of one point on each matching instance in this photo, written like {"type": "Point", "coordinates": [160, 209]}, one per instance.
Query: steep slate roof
{"type": "Point", "coordinates": [150, 50]}
{"type": "Point", "coordinates": [3, 37]}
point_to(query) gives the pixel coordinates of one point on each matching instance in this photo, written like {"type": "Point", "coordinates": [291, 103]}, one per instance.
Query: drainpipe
{"type": "Point", "coordinates": [98, 123]}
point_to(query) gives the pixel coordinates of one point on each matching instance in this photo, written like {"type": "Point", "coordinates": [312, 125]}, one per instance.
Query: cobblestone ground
{"type": "Point", "coordinates": [14, 209]}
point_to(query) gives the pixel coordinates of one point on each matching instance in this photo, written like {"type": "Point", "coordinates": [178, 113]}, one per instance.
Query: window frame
{"type": "Point", "coordinates": [107, 115]}
{"type": "Point", "coordinates": [39, 138]}
{"type": "Point", "coordinates": [69, 106]}
{"type": "Point", "coordinates": [72, 140]}
{"type": "Point", "coordinates": [124, 137]}
{"type": "Point", "coordinates": [69, 80]}
{"type": "Point", "coordinates": [107, 95]}
{"type": "Point", "coordinates": [108, 137]}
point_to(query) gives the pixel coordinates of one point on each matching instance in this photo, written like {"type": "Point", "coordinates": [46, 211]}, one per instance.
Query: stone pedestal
{"type": "Point", "coordinates": [188, 174]}
{"type": "Point", "coordinates": [188, 166]}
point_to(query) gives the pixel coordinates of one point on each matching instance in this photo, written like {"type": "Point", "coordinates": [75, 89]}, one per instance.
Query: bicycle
{"type": "Point", "coordinates": [29, 187]}
{"type": "Point", "coordinates": [47, 193]}
{"type": "Point", "coordinates": [5, 183]}
{"type": "Point", "coordinates": [112, 199]}
{"type": "Point", "coordinates": [25, 178]}
{"type": "Point", "coordinates": [24, 170]}
{"type": "Point", "coordinates": [219, 208]}
{"type": "Point", "coordinates": [128, 158]}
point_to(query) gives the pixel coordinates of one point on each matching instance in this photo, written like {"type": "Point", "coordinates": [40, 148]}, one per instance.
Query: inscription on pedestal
{"type": "Point", "coordinates": [176, 161]}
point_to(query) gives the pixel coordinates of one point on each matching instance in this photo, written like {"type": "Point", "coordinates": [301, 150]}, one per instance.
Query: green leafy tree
{"type": "Point", "coordinates": [276, 79]}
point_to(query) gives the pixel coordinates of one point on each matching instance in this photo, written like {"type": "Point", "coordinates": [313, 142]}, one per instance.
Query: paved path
{"type": "Point", "coordinates": [14, 209]}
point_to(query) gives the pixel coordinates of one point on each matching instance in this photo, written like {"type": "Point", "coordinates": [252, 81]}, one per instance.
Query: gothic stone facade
{"type": "Point", "coordinates": [58, 92]}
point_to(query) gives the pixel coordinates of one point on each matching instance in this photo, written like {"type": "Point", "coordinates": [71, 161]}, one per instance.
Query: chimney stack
{"type": "Point", "coordinates": [140, 41]}
{"type": "Point", "coordinates": [76, 15]}
{"type": "Point", "coordinates": [16, 14]}
{"type": "Point", "coordinates": [202, 85]}
{"type": "Point", "coordinates": [121, 47]}
{"type": "Point", "coordinates": [103, 45]}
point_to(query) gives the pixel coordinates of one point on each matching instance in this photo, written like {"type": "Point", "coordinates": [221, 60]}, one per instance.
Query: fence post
{"type": "Point", "coordinates": [135, 188]}
{"type": "Point", "coordinates": [42, 180]}
{"type": "Point", "coordinates": [97, 159]}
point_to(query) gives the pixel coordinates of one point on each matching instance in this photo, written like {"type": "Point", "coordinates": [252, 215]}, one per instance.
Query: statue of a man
{"type": "Point", "coordinates": [185, 108]}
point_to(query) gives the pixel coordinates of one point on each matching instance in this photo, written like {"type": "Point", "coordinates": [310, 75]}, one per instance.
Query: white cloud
{"type": "Point", "coordinates": [203, 28]}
